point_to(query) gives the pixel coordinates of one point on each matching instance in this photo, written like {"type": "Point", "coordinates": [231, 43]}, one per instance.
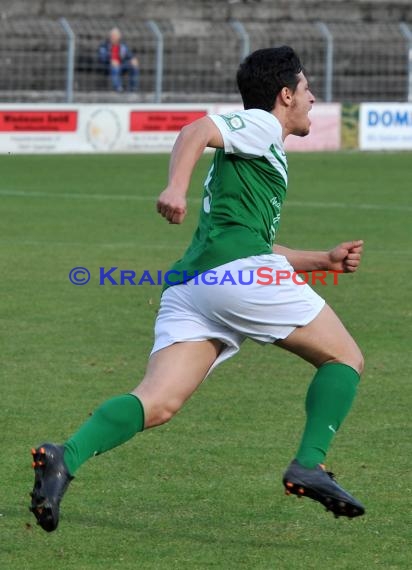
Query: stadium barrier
{"type": "Point", "coordinates": [193, 61]}
{"type": "Point", "coordinates": [57, 128]}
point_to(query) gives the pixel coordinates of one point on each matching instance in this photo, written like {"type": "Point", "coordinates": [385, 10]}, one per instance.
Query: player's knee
{"type": "Point", "coordinates": [353, 358]}
{"type": "Point", "coordinates": [162, 416]}
{"type": "Point", "coordinates": [359, 361]}
{"type": "Point", "coordinates": [158, 415]}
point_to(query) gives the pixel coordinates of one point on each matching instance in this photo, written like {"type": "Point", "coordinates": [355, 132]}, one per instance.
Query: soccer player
{"type": "Point", "coordinates": [199, 326]}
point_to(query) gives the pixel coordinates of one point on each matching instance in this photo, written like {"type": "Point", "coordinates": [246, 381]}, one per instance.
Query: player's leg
{"type": "Point", "coordinates": [324, 339]}
{"type": "Point", "coordinates": [326, 344]}
{"type": "Point", "coordinates": [296, 314]}
{"type": "Point", "coordinates": [173, 374]}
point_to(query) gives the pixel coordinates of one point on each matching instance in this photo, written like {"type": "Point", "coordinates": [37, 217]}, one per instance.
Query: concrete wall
{"type": "Point", "coordinates": [215, 10]}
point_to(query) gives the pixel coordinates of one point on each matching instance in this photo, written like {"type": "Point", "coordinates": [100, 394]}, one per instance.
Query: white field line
{"type": "Point", "coordinates": [382, 207]}
{"type": "Point", "coordinates": [137, 198]}
{"type": "Point", "coordinates": [75, 196]}
{"type": "Point", "coordinates": [158, 246]}
{"type": "Point", "coordinates": [123, 245]}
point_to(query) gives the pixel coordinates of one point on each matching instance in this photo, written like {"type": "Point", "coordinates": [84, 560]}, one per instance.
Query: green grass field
{"type": "Point", "coordinates": [205, 490]}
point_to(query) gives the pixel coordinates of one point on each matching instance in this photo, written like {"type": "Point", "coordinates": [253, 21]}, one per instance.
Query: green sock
{"type": "Point", "coordinates": [329, 399]}
{"type": "Point", "coordinates": [113, 423]}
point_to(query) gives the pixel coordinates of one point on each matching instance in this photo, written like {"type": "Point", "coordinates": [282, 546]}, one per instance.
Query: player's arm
{"type": "Point", "coordinates": [188, 148]}
{"type": "Point", "coordinates": [344, 257]}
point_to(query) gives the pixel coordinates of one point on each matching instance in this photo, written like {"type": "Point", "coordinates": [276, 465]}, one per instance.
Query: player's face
{"type": "Point", "coordinates": [302, 101]}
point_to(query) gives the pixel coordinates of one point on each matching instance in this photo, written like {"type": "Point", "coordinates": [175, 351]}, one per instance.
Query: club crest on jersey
{"type": "Point", "coordinates": [233, 121]}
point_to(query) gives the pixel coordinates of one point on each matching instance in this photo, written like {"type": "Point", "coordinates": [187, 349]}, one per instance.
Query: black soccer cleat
{"type": "Point", "coordinates": [320, 485]}
{"type": "Point", "coordinates": [51, 479]}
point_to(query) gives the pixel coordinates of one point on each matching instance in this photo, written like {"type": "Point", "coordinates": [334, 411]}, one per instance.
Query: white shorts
{"type": "Point", "coordinates": [200, 310]}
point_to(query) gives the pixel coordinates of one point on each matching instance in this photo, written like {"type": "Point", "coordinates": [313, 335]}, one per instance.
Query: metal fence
{"type": "Point", "coordinates": [196, 61]}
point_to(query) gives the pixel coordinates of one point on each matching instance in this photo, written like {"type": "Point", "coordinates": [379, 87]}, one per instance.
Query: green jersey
{"type": "Point", "coordinates": [243, 195]}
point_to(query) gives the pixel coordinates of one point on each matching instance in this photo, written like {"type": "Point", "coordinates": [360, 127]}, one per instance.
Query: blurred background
{"type": "Point", "coordinates": [354, 50]}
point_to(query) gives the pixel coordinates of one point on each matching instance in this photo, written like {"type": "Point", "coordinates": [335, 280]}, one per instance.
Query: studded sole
{"type": "Point", "coordinates": [339, 508]}
{"type": "Point", "coordinates": [39, 506]}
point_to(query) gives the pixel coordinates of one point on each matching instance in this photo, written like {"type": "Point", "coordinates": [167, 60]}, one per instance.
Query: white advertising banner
{"type": "Point", "coordinates": [68, 128]}
{"type": "Point", "coordinates": [325, 130]}
{"type": "Point", "coordinates": [385, 126]}
{"type": "Point", "coordinates": [93, 128]}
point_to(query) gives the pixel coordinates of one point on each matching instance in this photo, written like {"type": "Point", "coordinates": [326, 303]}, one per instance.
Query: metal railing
{"type": "Point", "coordinates": [196, 61]}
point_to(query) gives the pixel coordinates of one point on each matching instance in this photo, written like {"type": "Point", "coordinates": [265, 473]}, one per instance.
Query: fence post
{"type": "Point", "coordinates": [407, 34]}
{"type": "Point", "coordinates": [242, 34]}
{"type": "Point", "coordinates": [153, 27]}
{"type": "Point", "coordinates": [328, 93]}
{"type": "Point", "coordinates": [71, 48]}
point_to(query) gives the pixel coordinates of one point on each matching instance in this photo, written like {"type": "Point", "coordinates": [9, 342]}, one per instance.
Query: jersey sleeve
{"type": "Point", "coordinates": [248, 134]}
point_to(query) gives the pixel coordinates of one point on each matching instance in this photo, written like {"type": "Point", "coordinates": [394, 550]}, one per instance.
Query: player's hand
{"type": "Point", "coordinates": [346, 256]}
{"type": "Point", "coordinates": [172, 206]}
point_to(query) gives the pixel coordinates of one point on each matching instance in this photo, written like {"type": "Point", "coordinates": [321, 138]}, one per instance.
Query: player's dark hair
{"type": "Point", "coordinates": [264, 73]}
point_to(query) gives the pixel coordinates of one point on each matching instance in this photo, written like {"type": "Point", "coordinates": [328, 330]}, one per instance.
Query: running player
{"type": "Point", "coordinates": [198, 325]}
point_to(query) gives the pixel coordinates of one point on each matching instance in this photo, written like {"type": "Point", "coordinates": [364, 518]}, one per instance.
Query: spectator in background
{"type": "Point", "coordinates": [118, 60]}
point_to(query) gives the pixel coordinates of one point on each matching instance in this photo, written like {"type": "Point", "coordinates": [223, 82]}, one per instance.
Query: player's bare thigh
{"type": "Point", "coordinates": [325, 339]}
{"type": "Point", "coordinates": [173, 374]}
